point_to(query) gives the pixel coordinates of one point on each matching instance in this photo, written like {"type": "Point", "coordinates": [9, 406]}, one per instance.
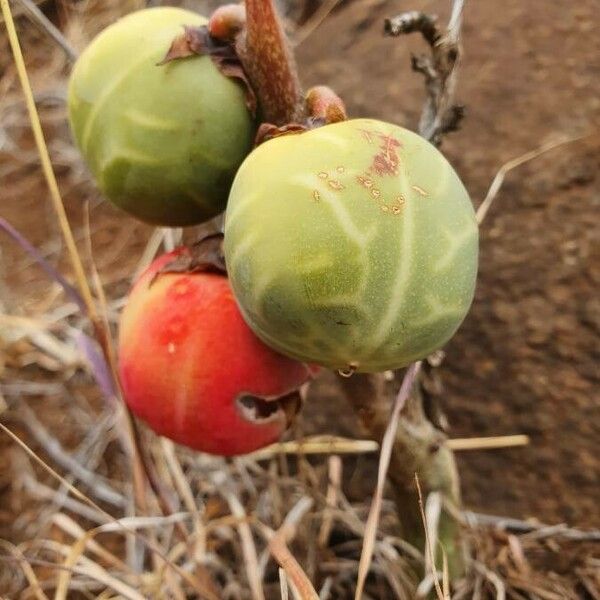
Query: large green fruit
{"type": "Point", "coordinates": [353, 246]}
{"type": "Point", "coordinates": [164, 142]}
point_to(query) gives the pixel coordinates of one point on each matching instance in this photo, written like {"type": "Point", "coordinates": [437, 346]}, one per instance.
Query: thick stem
{"type": "Point", "coordinates": [418, 448]}
{"type": "Point", "coordinates": [269, 64]}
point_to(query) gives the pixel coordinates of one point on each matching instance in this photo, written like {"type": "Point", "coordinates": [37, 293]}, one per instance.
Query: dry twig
{"type": "Point", "coordinates": [439, 114]}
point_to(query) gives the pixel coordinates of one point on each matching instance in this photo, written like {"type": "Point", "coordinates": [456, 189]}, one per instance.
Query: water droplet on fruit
{"type": "Point", "coordinates": [348, 371]}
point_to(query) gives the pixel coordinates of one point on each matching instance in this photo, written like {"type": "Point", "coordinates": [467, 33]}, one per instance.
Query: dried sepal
{"type": "Point", "coordinates": [205, 256]}
{"type": "Point", "coordinates": [197, 41]}
{"type": "Point", "coordinates": [268, 131]}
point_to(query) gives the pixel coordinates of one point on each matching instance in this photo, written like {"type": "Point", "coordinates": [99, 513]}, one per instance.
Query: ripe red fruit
{"type": "Point", "coordinates": [193, 370]}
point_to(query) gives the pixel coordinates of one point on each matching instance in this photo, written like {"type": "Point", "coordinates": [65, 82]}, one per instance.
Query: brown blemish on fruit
{"type": "Point", "coordinates": [341, 169]}
{"type": "Point", "coordinates": [419, 190]}
{"type": "Point", "coordinates": [323, 175]}
{"type": "Point", "coordinates": [387, 160]}
{"type": "Point", "coordinates": [316, 195]}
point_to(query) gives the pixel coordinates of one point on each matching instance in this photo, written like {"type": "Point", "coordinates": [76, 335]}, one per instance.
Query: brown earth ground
{"type": "Point", "coordinates": [526, 359]}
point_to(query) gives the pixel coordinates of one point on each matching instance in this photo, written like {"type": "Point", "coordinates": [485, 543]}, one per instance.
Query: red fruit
{"type": "Point", "coordinates": [193, 370]}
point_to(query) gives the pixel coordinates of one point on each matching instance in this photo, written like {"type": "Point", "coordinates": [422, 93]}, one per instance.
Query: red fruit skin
{"type": "Point", "coordinates": [186, 354]}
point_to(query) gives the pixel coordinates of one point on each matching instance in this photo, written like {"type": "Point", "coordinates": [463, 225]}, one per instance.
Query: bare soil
{"type": "Point", "coordinates": [527, 358]}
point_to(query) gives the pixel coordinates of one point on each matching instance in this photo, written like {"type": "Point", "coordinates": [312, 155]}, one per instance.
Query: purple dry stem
{"type": "Point", "coordinates": [30, 249]}
{"type": "Point", "coordinates": [99, 366]}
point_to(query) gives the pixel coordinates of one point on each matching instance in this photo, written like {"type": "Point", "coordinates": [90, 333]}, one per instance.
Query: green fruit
{"type": "Point", "coordinates": [164, 142]}
{"type": "Point", "coordinates": [353, 246]}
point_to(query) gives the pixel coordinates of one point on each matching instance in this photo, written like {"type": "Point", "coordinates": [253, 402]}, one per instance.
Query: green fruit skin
{"type": "Point", "coordinates": [351, 246]}
{"type": "Point", "coordinates": [164, 142]}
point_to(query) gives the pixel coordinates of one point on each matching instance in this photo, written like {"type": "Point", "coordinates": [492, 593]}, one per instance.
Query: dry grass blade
{"type": "Point", "coordinates": [299, 582]}
{"type": "Point", "coordinates": [54, 449]}
{"type": "Point", "coordinates": [45, 159]}
{"type": "Point", "coordinates": [101, 330]}
{"type": "Point", "coordinates": [93, 570]}
{"type": "Point", "coordinates": [488, 443]}
{"type": "Point", "coordinates": [333, 488]}
{"type": "Point", "coordinates": [429, 548]}
{"type": "Point", "coordinates": [445, 575]}
{"type": "Point", "coordinates": [149, 253]}
{"type": "Point", "coordinates": [283, 585]}
{"type": "Point", "coordinates": [52, 472]}
{"type": "Point", "coordinates": [473, 519]}
{"type": "Point", "coordinates": [44, 23]}
{"type": "Point", "coordinates": [104, 335]}
{"type": "Point", "coordinates": [42, 492]}
{"type": "Point", "coordinates": [430, 553]}
{"type": "Point", "coordinates": [183, 487]}
{"type": "Point", "coordinates": [493, 579]}
{"type": "Point", "coordinates": [248, 546]}
{"type": "Point", "coordinates": [384, 462]}
{"type": "Point", "coordinates": [314, 21]}
{"type": "Point", "coordinates": [319, 444]}
{"type": "Point", "coordinates": [64, 577]}
{"type": "Point", "coordinates": [433, 509]}
{"type": "Point", "coordinates": [200, 588]}
{"type": "Point", "coordinates": [69, 526]}
{"type": "Point", "coordinates": [26, 568]}
{"type": "Point", "coordinates": [331, 444]}
{"type": "Point", "coordinates": [498, 180]}
{"type": "Point", "coordinates": [292, 568]}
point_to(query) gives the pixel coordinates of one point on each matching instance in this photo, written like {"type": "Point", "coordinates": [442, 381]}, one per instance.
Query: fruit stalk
{"type": "Point", "coordinates": [270, 65]}
{"type": "Point", "coordinates": [418, 448]}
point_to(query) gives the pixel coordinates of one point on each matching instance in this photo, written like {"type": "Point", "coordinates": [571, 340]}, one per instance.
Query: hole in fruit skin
{"type": "Point", "coordinates": [266, 410]}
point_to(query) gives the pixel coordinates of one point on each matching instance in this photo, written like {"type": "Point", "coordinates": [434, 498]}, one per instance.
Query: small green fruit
{"type": "Point", "coordinates": [353, 246]}
{"type": "Point", "coordinates": [164, 142]}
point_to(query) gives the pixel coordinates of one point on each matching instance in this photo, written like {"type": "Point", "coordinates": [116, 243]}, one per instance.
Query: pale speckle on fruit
{"type": "Point", "coordinates": [419, 190]}
{"type": "Point", "coordinates": [171, 348]}
{"type": "Point", "coordinates": [334, 184]}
